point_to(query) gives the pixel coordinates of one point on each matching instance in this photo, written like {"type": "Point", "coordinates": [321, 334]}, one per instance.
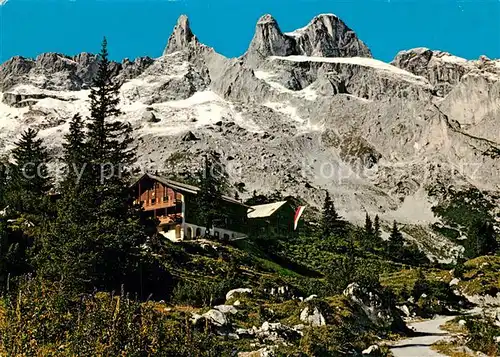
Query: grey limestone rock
{"type": "Point", "coordinates": [373, 306]}
{"type": "Point", "coordinates": [314, 318]}
{"type": "Point", "coordinates": [325, 36]}
{"type": "Point", "coordinates": [239, 291]}
{"type": "Point", "coordinates": [181, 37]}
{"type": "Point", "coordinates": [442, 69]}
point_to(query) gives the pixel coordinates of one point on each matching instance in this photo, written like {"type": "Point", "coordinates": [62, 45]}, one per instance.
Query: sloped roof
{"type": "Point", "coordinates": [267, 210]}
{"type": "Point", "coordinates": [179, 186]}
{"type": "Point", "coordinates": [183, 187]}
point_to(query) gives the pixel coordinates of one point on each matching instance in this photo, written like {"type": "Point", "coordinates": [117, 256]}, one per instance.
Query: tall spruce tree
{"type": "Point", "coordinates": [3, 183]}
{"type": "Point", "coordinates": [376, 228]}
{"type": "Point", "coordinates": [368, 225]}
{"type": "Point", "coordinates": [26, 189]}
{"type": "Point", "coordinates": [367, 236]}
{"type": "Point", "coordinates": [75, 151]}
{"type": "Point", "coordinates": [30, 182]}
{"type": "Point", "coordinates": [395, 244]}
{"type": "Point", "coordinates": [109, 142]}
{"type": "Point", "coordinates": [97, 238]}
{"type": "Point", "coordinates": [213, 181]}
{"type": "Point", "coordinates": [66, 253]}
{"type": "Point", "coordinates": [118, 233]}
{"type": "Point", "coordinates": [482, 240]}
{"type": "Point", "coordinates": [331, 222]}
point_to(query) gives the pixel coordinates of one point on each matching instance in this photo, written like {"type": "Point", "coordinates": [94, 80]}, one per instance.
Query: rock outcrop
{"type": "Point", "coordinates": [328, 36]}
{"type": "Point", "coordinates": [325, 36]}
{"type": "Point", "coordinates": [236, 292]}
{"type": "Point", "coordinates": [376, 310]}
{"type": "Point", "coordinates": [181, 38]}
{"type": "Point", "coordinates": [442, 69]}
{"type": "Point", "coordinates": [314, 318]}
{"type": "Point", "coordinates": [268, 41]}
{"type": "Point", "coordinates": [54, 71]}
{"type": "Point", "coordinates": [214, 316]}
{"type": "Point", "coordinates": [363, 77]}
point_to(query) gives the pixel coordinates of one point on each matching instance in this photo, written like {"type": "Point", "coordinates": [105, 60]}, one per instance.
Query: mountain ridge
{"type": "Point", "coordinates": [379, 137]}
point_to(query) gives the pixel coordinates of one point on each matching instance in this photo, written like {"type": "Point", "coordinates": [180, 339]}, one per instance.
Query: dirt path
{"type": "Point", "coordinates": [420, 346]}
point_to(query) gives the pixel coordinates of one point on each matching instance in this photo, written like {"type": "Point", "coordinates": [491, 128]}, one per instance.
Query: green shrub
{"type": "Point", "coordinates": [202, 293]}
{"type": "Point", "coordinates": [439, 296]}
{"type": "Point", "coordinates": [41, 321]}
{"type": "Point", "coordinates": [482, 333]}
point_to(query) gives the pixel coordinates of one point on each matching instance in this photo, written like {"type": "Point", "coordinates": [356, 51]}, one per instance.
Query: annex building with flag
{"type": "Point", "coordinates": [174, 205]}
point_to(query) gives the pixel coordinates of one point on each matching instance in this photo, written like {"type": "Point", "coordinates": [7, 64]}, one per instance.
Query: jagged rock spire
{"type": "Point", "coordinates": [328, 36]}
{"type": "Point", "coordinates": [325, 36]}
{"type": "Point", "coordinates": [181, 37]}
{"type": "Point", "coordinates": [268, 41]}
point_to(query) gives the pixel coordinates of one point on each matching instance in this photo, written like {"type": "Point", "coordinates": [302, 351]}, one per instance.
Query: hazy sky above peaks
{"type": "Point", "coordinates": [141, 27]}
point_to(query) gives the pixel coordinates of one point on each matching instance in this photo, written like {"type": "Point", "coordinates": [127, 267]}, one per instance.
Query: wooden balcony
{"type": "Point", "coordinates": [175, 218]}
{"type": "Point", "coordinates": [149, 206]}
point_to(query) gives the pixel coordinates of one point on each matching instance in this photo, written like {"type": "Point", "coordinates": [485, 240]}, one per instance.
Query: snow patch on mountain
{"type": "Point", "coordinates": [308, 93]}
{"type": "Point", "coordinates": [360, 61]}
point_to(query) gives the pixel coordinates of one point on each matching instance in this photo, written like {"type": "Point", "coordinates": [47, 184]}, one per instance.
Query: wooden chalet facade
{"type": "Point", "coordinates": [174, 205]}
{"type": "Point", "coordinates": [273, 219]}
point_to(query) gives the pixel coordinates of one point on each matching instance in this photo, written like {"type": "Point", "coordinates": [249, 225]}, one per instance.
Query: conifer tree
{"type": "Point", "coordinates": [213, 180]}
{"type": "Point", "coordinates": [367, 236]}
{"type": "Point", "coordinates": [30, 182]}
{"type": "Point", "coordinates": [331, 222]}
{"type": "Point", "coordinates": [118, 233]}
{"type": "Point", "coordinates": [459, 270]}
{"type": "Point", "coordinates": [396, 242]}
{"type": "Point", "coordinates": [96, 240]}
{"type": "Point", "coordinates": [368, 226]}
{"type": "Point", "coordinates": [421, 285]}
{"type": "Point", "coordinates": [3, 184]}
{"type": "Point", "coordinates": [109, 141]}
{"type": "Point", "coordinates": [26, 195]}
{"type": "Point", "coordinates": [482, 240]}
{"type": "Point", "coordinates": [66, 250]}
{"type": "Point", "coordinates": [74, 142]}
{"type": "Point", "coordinates": [376, 228]}
{"type": "Point", "coordinates": [75, 159]}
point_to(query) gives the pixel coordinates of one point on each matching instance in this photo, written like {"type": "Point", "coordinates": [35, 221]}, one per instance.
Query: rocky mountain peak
{"type": "Point", "coordinates": [442, 69]}
{"type": "Point", "coordinates": [268, 41]}
{"type": "Point", "coordinates": [328, 36]}
{"type": "Point", "coordinates": [267, 19]}
{"type": "Point", "coordinates": [321, 21]}
{"type": "Point", "coordinates": [325, 36]}
{"type": "Point", "coordinates": [181, 37]}
{"type": "Point", "coordinates": [55, 71]}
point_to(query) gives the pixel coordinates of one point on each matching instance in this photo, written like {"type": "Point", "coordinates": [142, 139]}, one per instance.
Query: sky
{"type": "Point", "coordinates": [141, 27]}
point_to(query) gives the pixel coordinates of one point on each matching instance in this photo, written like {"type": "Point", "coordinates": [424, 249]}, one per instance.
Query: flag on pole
{"type": "Point", "coordinates": [298, 214]}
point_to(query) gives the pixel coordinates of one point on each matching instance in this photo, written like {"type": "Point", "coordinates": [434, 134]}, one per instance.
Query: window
{"type": "Point", "coordinates": [226, 237]}
{"type": "Point", "coordinates": [153, 201]}
{"type": "Point", "coordinates": [216, 234]}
